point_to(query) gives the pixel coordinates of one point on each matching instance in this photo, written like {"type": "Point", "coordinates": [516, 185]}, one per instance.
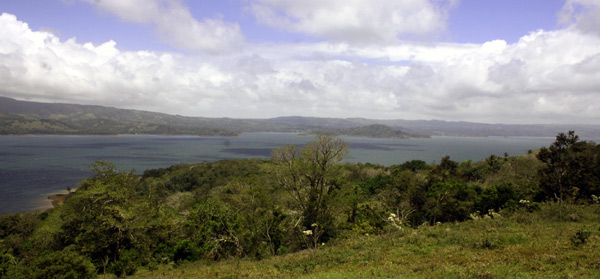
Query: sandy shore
{"type": "Point", "coordinates": [53, 200]}
{"type": "Point", "coordinates": [57, 199]}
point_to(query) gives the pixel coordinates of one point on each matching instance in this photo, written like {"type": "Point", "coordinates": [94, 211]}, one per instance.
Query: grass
{"type": "Point", "coordinates": [559, 241]}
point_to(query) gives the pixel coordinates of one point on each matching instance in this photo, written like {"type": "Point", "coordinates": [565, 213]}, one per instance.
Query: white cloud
{"type": "Point", "coordinates": [175, 24]}
{"type": "Point", "coordinates": [544, 77]}
{"type": "Point", "coordinates": [38, 66]}
{"type": "Point", "coordinates": [354, 21]}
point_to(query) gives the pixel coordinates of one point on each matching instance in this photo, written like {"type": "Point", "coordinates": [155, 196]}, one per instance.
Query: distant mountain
{"type": "Point", "coordinates": [461, 128]}
{"type": "Point", "coordinates": [440, 127]}
{"type": "Point", "coordinates": [21, 117]}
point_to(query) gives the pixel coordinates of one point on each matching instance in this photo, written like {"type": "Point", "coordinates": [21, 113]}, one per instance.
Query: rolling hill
{"type": "Point", "coordinates": [23, 117]}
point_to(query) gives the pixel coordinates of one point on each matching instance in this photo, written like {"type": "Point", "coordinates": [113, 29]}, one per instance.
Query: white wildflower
{"type": "Point", "coordinates": [395, 221]}
{"type": "Point", "coordinates": [307, 232]}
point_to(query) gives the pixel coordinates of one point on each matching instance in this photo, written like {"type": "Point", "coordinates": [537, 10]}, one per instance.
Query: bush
{"type": "Point", "coordinates": [369, 220]}
{"type": "Point", "coordinates": [65, 264]}
{"type": "Point", "coordinates": [496, 198]}
{"type": "Point", "coordinates": [185, 250]}
{"type": "Point", "coordinates": [213, 228]}
{"type": "Point", "coordinates": [450, 201]}
{"type": "Point", "coordinates": [580, 238]}
{"type": "Point", "coordinates": [127, 263]}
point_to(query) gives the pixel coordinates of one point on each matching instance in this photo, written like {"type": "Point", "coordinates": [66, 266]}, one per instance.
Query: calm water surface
{"type": "Point", "coordinates": [32, 167]}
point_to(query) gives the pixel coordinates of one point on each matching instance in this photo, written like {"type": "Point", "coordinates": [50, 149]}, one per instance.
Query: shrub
{"type": "Point", "coordinates": [450, 201]}
{"type": "Point", "coordinates": [60, 264]}
{"type": "Point", "coordinates": [580, 238]}
{"type": "Point", "coordinates": [185, 250]}
{"type": "Point", "coordinates": [497, 197]}
{"type": "Point", "coordinates": [213, 228]}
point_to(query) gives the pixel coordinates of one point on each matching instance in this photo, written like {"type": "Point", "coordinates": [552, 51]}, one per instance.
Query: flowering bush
{"type": "Point", "coordinates": [490, 215]}
{"type": "Point", "coordinates": [493, 214]}
{"type": "Point", "coordinates": [398, 222]}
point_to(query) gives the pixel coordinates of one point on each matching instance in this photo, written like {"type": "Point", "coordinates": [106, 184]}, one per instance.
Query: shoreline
{"type": "Point", "coordinates": [53, 199]}
{"type": "Point", "coordinates": [48, 202]}
{"type": "Point", "coordinates": [56, 199]}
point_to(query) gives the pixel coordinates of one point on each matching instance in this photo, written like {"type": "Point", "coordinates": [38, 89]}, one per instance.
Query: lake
{"type": "Point", "coordinates": [33, 167]}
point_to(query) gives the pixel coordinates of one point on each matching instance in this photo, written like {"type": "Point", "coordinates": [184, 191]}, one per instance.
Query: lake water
{"type": "Point", "coordinates": [32, 167]}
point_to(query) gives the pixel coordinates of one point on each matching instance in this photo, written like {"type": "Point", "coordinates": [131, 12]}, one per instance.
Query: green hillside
{"type": "Point", "coordinates": [305, 214]}
{"type": "Point", "coordinates": [19, 125]}
{"type": "Point", "coordinates": [543, 244]}
{"type": "Point", "coordinates": [18, 117]}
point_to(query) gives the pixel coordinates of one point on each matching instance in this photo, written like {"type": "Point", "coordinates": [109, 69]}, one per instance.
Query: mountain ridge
{"type": "Point", "coordinates": [24, 117]}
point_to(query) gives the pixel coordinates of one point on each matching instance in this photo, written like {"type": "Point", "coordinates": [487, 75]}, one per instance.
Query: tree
{"type": "Point", "coordinates": [413, 165]}
{"type": "Point", "coordinates": [446, 169]}
{"type": "Point", "coordinates": [450, 201]}
{"type": "Point", "coordinates": [213, 227]}
{"type": "Point", "coordinates": [571, 168]}
{"type": "Point", "coordinates": [307, 175]}
{"type": "Point", "coordinates": [106, 217]}
{"type": "Point", "coordinates": [62, 264]}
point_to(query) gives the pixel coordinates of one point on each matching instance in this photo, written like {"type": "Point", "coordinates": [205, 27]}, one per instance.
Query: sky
{"type": "Point", "coordinates": [489, 61]}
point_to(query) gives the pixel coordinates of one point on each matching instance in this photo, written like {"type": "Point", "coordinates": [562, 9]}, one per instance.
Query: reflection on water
{"type": "Point", "coordinates": [31, 167]}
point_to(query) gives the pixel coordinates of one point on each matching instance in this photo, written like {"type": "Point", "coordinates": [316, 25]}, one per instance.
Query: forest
{"type": "Point", "coordinates": [118, 222]}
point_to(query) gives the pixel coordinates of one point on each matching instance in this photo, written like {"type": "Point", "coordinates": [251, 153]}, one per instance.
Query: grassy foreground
{"type": "Point", "coordinates": [558, 241]}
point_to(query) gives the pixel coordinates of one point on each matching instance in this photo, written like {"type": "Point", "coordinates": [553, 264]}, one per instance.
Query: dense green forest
{"type": "Point", "coordinates": [302, 199]}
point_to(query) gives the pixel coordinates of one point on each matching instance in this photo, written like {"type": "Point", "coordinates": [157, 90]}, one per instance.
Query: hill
{"type": "Point", "coordinates": [21, 117]}
{"type": "Point", "coordinates": [305, 214]}
{"type": "Point", "coordinates": [541, 244]}
{"type": "Point", "coordinates": [374, 131]}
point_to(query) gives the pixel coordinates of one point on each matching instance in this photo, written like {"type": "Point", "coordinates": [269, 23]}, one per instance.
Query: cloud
{"type": "Point", "coordinates": [545, 77]}
{"type": "Point", "coordinates": [38, 66]}
{"type": "Point", "coordinates": [582, 14]}
{"type": "Point", "coordinates": [354, 21]}
{"type": "Point", "coordinates": [175, 25]}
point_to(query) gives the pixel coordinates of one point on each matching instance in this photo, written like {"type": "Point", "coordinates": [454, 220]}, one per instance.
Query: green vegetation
{"type": "Point", "coordinates": [19, 125]}
{"type": "Point", "coordinates": [303, 214]}
{"type": "Point", "coordinates": [375, 131]}
{"type": "Point", "coordinates": [518, 244]}
{"type": "Point", "coordinates": [308, 175]}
